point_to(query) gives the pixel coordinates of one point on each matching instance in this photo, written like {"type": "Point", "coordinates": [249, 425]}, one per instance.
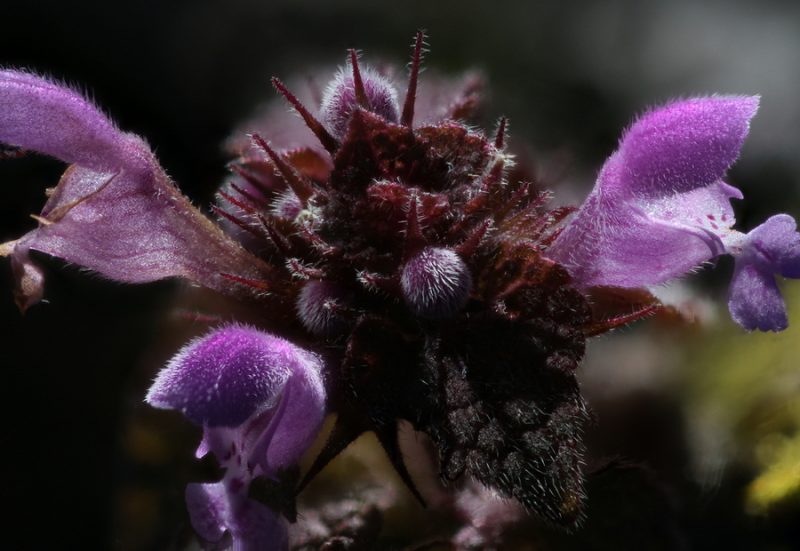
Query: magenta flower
{"type": "Point", "coordinates": [260, 401]}
{"type": "Point", "coordinates": [660, 209]}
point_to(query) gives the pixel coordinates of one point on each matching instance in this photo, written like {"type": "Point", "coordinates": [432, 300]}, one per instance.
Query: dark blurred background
{"type": "Point", "coordinates": [570, 75]}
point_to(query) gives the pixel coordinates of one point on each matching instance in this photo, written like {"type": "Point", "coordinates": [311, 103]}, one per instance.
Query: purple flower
{"type": "Point", "coordinates": [115, 211]}
{"type": "Point", "coordinates": [660, 209]}
{"type": "Point", "coordinates": [260, 401]}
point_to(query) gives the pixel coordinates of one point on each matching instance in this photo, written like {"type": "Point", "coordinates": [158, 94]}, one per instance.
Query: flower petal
{"type": "Point", "coordinates": [684, 145]}
{"type": "Point", "coordinates": [224, 378]}
{"type": "Point", "coordinates": [208, 510]}
{"type": "Point", "coordinates": [213, 510]}
{"type": "Point", "coordinates": [277, 435]}
{"type": "Point", "coordinates": [297, 423]}
{"type": "Point", "coordinates": [643, 241]}
{"type": "Point", "coordinates": [42, 116]}
{"type": "Point", "coordinates": [754, 300]}
{"type": "Point", "coordinates": [232, 375]}
{"type": "Point", "coordinates": [257, 528]}
{"type": "Point", "coordinates": [706, 208]}
{"type": "Point", "coordinates": [659, 208]}
{"type": "Point", "coordinates": [776, 244]}
{"type": "Point", "coordinates": [115, 211]}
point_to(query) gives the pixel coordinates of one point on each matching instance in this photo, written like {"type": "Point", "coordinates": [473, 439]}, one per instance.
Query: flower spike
{"type": "Point", "coordinates": [441, 290]}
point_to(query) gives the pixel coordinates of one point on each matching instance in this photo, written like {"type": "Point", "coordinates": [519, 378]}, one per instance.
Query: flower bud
{"type": "Point", "coordinates": [340, 100]}
{"type": "Point", "coordinates": [287, 205]}
{"type": "Point", "coordinates": [319, 307]}
{"type": "Point", "coordinates": [436, 283]}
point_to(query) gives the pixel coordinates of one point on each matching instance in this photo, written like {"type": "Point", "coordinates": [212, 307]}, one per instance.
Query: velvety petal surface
{"type": "Point", "coordinates": [42, 116]}
{"type": "Point", "coordinates": [643, 241]}
{"type": "Point", "coordinates": [296, 424]}
{"type": "Point", "coordinates": [772, 248]}
{"type": "Point", "coordinates": [224, 378]}
{"type": "Point", "coordinates": [684, 144]}
{"type": "Point", "coordinates": [253, 527]}
{"type": "Point", "coordinates": [208, 510]}
{"type": "Point", "coordinates": [754, 300]}
{"type": "Point", "coordinates": [261, 401]}
{"type": "Point", "coordinates": [776, 244]}
{"type": "Point", "coordinates": [659, 208]}
{"type": "Point", "coordinates": [114, 211]}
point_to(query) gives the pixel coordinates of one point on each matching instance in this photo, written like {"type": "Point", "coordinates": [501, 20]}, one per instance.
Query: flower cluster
{"type": "Point", "coordinates": [426, 283]}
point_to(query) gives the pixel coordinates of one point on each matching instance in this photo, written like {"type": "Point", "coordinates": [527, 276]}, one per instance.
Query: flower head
{"type": "Point", "coordinates": [260, 401]}
{"type": "Point", "coordinates": [660, 208]}
{"type": "Point", "coordinates": [406, 255]}
{"type": "Point", "coordinates": [441, 288]}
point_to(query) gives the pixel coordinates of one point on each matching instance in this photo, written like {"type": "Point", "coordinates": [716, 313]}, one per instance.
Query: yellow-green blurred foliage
{"type": "Point", "coordinates": [746, 388]}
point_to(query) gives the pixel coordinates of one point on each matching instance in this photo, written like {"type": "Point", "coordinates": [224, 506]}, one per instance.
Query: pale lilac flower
{"type": "Point", "coordinates": [115, 210]}
{"type": "Point", "coordinates": [660, 209]}
{"type": "Point", "coordinates": [260, 401]}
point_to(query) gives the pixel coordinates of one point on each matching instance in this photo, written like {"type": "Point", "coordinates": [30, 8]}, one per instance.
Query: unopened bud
{"type": "Point", "coordinates": [319, 306]}
{"type": "Point", "coordinates": [340, 101]}
{"type": "Point", "coordinates": [436, 283]}
{"type": "Point", "coordinates": [287, 205]}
